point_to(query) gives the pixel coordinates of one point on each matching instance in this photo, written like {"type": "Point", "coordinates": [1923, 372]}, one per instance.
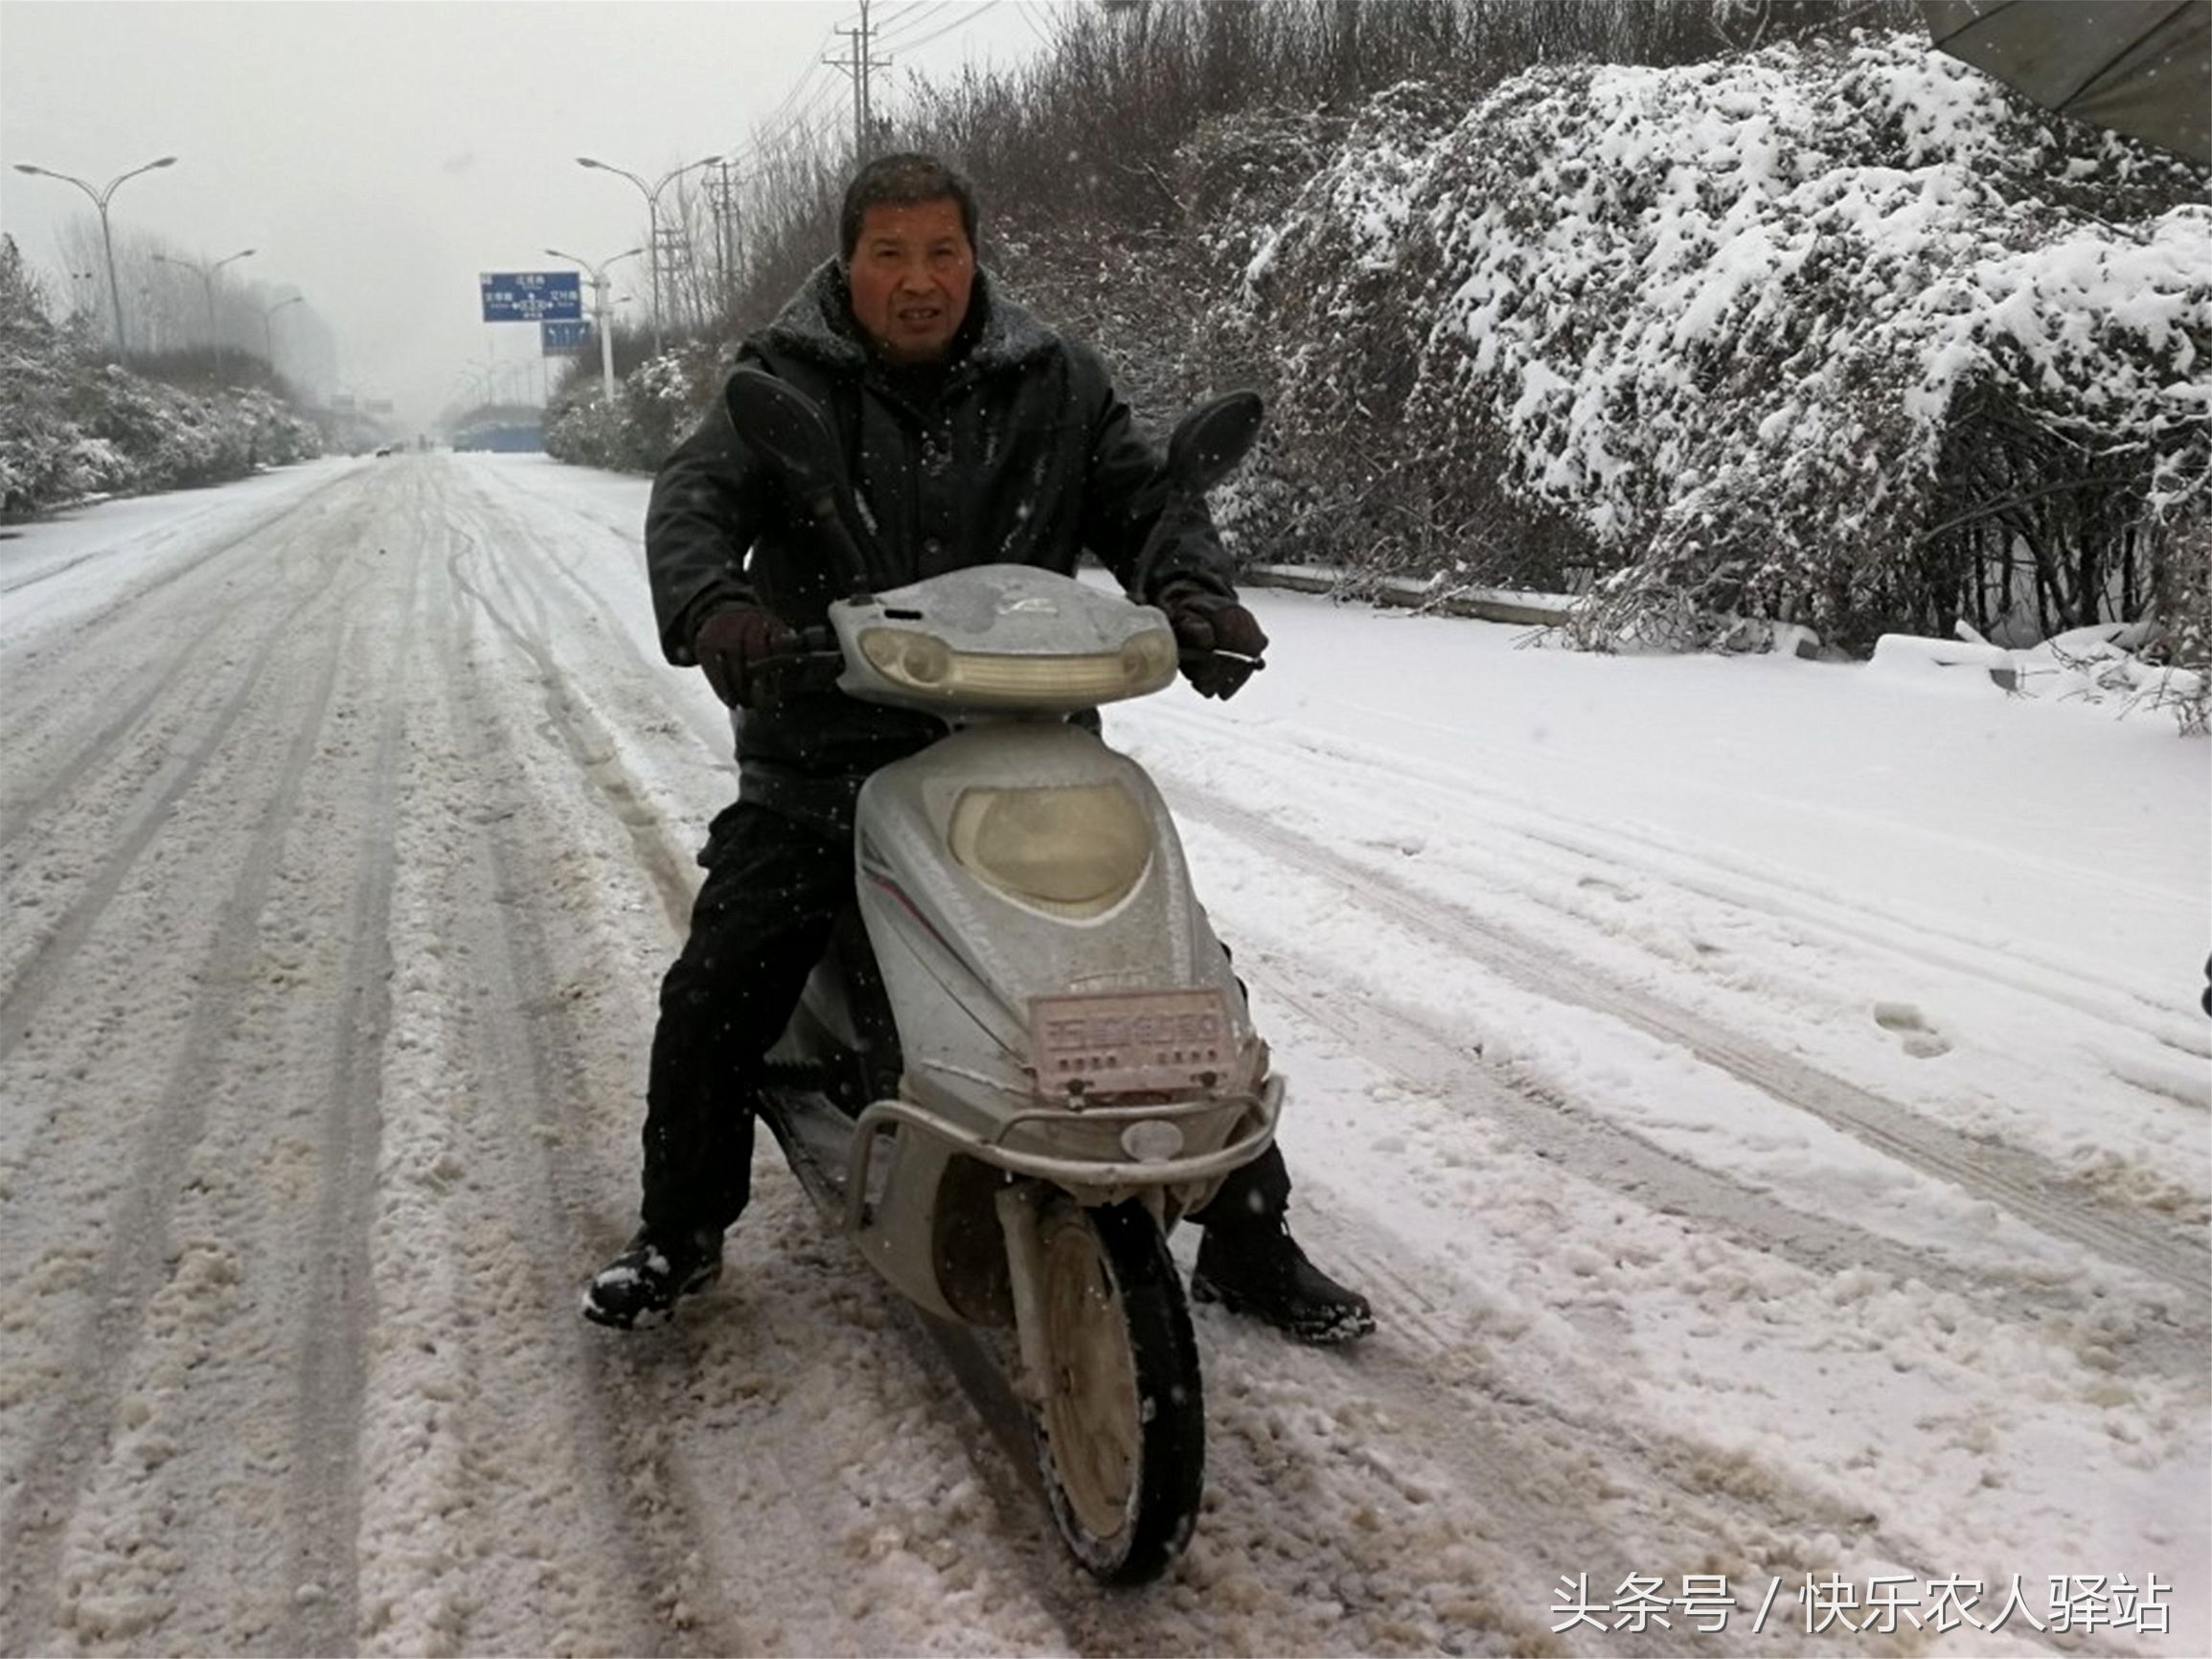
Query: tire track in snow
{"type": "Point", "coordinates": [2021, 1182]}
{"type": "Point", "coordinates": [1256, 1412]}
{"type": "Point", "coordinates": [218, 1415]}
{"type": "Point", "coordinates": [161, 581]}
{"type": "Point", "coordinates": [594, 753]}
{"type": "Point", "coordinates": [524, 1061]}
{"type": "Point", "coordinates": [36, 978]}
{"type": "Point", "coordinates": [53, 570]}
{"type": "Point", "coordinates": [1710, 875]}
{"type": "Point", "coordinates": [322, 1495]}
{"type": "Point", "coordinates": [1596, 1150]}
{"type": "Point", "coordinates": [63, 644]}
{"type": "Point", "coordinates": [598, 612]}
{"type": "Point", "coordinates": [84, 757]}
{"type": "Point", "coordinates": [657, 1524]}
{"type": "Point", "coordinates": [1653, 1499]}
{"type": "Point", "coordinates": [134, 1263]}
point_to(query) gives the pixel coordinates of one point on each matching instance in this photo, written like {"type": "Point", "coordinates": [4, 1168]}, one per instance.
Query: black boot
{"type": "Point", "coordinates": [1255, 1267]}
{"type": "Point", "coordinates": [651, 1275]}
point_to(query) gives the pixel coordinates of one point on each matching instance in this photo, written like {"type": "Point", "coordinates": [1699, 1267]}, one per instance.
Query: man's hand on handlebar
{"type": "Point", "coordinates": [1221, 641]}
{"type": "Point", "coordinates": [734, 644]}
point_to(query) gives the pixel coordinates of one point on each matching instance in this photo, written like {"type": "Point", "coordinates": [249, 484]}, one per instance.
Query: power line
{"type": "Point", "coordinates": [912, 19]}
{"type": "Point", "coordinates": [819, 108]}
{"type": "Point", "coordinates": [968, 14]}
{"type": "Point", "coordinates": [1028, 15]}
{"type": "Point", "coordinates": [799, 83]}
{"type": "Point", "coordinates": [803, 111]}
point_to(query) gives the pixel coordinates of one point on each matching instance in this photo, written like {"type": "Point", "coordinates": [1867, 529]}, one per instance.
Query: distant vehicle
{"type": "Point", "coordinates": [388, 450]}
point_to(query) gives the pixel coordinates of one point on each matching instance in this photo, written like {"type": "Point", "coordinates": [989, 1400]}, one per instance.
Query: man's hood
{"type": "Point", "coordinates": [817, 323]}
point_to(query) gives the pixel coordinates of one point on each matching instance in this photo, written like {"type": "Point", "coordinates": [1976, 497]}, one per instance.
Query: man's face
{"type": "Point", "coordinates": [911, 276]}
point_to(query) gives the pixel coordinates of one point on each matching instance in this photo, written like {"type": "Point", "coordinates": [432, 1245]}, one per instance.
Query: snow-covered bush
{"type": "Point", "coordinates": [1845, 335]}
{"type": "Point", "coordinates": [666, 396]}
{"type": "Point", "coordinates": [586, 432]}
{"type": "Point", "coordinates": [73, 426]}
{"type": "Point", "coordinates": [43, 456]}
{"type": "Point", "coordinates": [174, 439]}
{"type": "Point", "coordinates": [281, 434]}
{"type": "Point", "coordinates": [655, 407]}
{"type": "Point", "coordinates": [1324, 312]}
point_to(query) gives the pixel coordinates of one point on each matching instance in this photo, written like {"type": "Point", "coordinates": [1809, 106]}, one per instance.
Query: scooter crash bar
{"type": "Point", "coordinates": [1074, 1172]}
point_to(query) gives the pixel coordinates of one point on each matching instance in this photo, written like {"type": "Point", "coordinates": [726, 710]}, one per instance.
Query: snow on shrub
{"type": "Point", "coordinates": [72, 426]}
{"type": "Point", "coordinates": [1846, 335]}
{"type": "Point", "coordinates": [655, 407]}
{"type": "Point", "coordinates": [587, 433]}
{"type": "Point", "coordinates": [2102, 665]}
{"type": "Point", "coordinates": [42, 455]}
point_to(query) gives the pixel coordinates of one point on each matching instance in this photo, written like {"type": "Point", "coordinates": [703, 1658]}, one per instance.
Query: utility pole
{"type": "Point", "coordinates": [722, 192]}
{"type": "Point", "coordinates": [860, 65]}
{"type": "Point", "coordinates": [671, 260]}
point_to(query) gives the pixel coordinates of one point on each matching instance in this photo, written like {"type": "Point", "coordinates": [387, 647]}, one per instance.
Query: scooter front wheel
{"type": "Point", "coordinates": [1120, 1428]}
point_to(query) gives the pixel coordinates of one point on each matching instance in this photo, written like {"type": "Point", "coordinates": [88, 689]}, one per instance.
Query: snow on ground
{"type": "Point", "coordinates": [1767, 1099]}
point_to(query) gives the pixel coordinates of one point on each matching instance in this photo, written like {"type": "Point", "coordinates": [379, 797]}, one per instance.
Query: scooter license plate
{"type": "Point", "coordinates": [1117, 1043]}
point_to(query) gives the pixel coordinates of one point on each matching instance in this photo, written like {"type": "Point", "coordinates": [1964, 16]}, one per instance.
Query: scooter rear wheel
{"type": "Point", "coordinates": [1121, 1430]}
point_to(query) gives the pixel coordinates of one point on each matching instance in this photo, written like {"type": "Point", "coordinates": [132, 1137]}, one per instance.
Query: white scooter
{"type": "Point", "coordinates": [1024, 1055]}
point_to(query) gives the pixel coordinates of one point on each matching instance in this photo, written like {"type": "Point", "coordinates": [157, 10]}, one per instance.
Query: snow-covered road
{"type": "Point", "coordinates": [1767, 1101]}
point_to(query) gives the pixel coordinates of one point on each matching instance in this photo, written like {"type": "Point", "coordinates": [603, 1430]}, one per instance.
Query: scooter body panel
{"type": "Point", "coordinates": [965, 965]}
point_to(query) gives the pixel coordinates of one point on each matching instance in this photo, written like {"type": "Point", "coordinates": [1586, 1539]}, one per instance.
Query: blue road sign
{"type": "Point", "coordinates": [560, 339]}
{"type": "Point", "coordinates": [532, 296]}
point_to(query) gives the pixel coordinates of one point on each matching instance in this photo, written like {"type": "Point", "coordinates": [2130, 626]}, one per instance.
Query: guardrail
{"type": "Point", "coordinates": [1490, 603]}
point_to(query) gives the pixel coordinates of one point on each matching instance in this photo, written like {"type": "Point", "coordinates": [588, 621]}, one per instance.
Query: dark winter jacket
{"type": "Point", "coordinates": [1017, 451]}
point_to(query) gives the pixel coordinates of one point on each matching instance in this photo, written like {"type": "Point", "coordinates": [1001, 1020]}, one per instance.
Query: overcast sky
{"type": "Point", "coordinates": [380, 153]}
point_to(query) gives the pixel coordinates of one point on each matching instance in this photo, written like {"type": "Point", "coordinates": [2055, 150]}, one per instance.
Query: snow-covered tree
{"type": "Point", "coordinates": [1847, 334]}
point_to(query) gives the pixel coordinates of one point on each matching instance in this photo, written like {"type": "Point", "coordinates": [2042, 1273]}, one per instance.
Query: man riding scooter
{"type": "Point", "coordinates": [974, 434]}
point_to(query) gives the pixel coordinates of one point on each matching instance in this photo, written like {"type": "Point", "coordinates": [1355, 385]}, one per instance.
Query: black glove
{"type": "Point", "coordinates": [731, 644]}
{"type": "Point", "coordinates": [1221, 641]}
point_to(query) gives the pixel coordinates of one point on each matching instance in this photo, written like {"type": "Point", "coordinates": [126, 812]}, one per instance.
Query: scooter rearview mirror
{"type": "Point", "coordinates": [782, 423]}
{"type": "Point", "coordinates": [1209, 441]}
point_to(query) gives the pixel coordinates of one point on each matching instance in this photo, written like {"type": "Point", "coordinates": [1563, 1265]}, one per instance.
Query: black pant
{"type": "Point", "coordinates": [774, 886]}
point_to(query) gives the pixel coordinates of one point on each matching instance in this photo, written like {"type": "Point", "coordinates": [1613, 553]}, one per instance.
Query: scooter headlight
{"type": "Point", "coordinates": [921, 662]}
{"type": "Point", "coordinates": [1074, 851]}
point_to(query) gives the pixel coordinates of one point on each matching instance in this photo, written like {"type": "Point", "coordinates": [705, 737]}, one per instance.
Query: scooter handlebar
{"type": "Point", "coordinates": [812, 667]}
{"type": "Point", "coordinates": [817, 661]}
{"type": "Point", "coordinates": [1217, 673]}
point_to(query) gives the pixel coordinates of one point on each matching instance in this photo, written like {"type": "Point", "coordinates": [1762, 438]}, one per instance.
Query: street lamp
{"type": "Point", "coordinates": [269, 328]}
{"type": "Point", "coordinates": [601, 312]}
{"type": "Point", "coordinates": [107, 241]}
{"type": "Point", "coordinates": [206, 276]}
{"type": "Point", "coordinates": [651, 195]}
